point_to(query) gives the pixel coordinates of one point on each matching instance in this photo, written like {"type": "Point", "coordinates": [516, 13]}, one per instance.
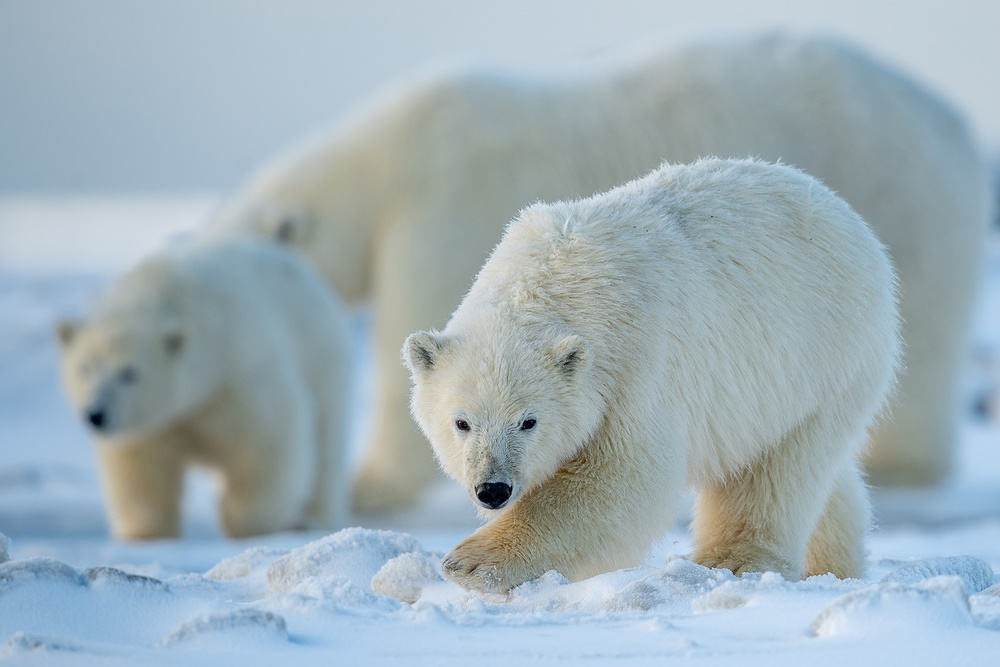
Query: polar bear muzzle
{"type": "Point", "coordinates": [493, 495]}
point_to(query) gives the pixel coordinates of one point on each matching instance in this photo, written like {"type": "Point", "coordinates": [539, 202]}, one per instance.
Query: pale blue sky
{"type": "Point", "coordinates": [125, 96]}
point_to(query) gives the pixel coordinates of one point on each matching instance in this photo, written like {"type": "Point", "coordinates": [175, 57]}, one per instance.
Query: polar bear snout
{"type": "Point", "coordinates": [97, 418]}
{"type": "Point", "coordinates": [493, 495]}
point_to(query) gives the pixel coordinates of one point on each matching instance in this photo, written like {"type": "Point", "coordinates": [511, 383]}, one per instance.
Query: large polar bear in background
{"type": "Point", "coordinates": [731, 325]}
{"type": "Point", "coordinates": [232, 356]}
{"type": "Point", "coordinates": [403, 206]}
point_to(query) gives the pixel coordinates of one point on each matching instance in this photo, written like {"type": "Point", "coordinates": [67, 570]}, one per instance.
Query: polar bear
{"type": "Point", "coordinates": [231, 356]}
{"type": "Point", "coordinates": [403, 205]}
{"type": "Point", "coordinates": [729, 325]}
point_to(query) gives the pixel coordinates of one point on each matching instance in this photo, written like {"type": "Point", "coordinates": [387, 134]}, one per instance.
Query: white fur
{"type": "Point", "coordinates": [231, 356]}
{"type": "Point", "coordinates": [730, 325]}
{"type": "Point", "coordinates": [403, 206]}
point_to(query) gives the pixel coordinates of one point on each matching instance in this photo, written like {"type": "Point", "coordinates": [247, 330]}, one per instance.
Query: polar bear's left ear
{"type": "Point", "coordinates": [292, 226]}
{"type": "Point", "coordinates": [571, 355]}
{"type": "Point", "coordinates": [421, 351]}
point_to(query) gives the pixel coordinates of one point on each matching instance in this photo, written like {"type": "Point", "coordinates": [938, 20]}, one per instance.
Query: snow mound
{"type": "Point", "coordinates": [240, 625]}
{"type": "Point", "coordinates": [405, 576]}
{"type": "Point", "coordinates": [893, 608]}
{"type": "Point", "coordinates": [106, 577]}
{"type": "Point", "coordinates": [338, 570]}
{"type": "Point", "coordinates": [676, 584]}
{"type": "Point", "coordinates": [353, 554]}
{"type": "Point", "coordinates": [54, 606]}
{"type": "Point", "coordinates": [16, 573]}
{"type": "Point", "coordinates": [22, 643]}
{"type": "Point", "coordinates": [244, 564]}
{"type": "Point", "coordinates": [976, 574]}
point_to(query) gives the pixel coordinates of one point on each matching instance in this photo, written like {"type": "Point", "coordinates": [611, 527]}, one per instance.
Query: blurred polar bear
{"type": "Point", "coordinates": [231, 356]}
{"type": "Point", "coordinates": [403, 205]}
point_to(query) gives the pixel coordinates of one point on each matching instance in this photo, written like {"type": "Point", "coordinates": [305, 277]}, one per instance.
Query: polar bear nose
{"type": "Point", "coordinates": [96, 418]}
{"type": "Point", "coordinates": [493, 494]}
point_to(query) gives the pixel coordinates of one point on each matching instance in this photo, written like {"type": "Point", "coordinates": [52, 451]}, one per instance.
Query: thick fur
{"type": "Point", "coordinates": [403, 206]}
{"type": "Point", "coordinates": [729, 325]}
{"type": "Point", "coordinates": [232, 357]}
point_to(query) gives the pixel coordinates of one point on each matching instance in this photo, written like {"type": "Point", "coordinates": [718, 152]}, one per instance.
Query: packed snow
{"type": "Point", "coordinates": [374, 594]}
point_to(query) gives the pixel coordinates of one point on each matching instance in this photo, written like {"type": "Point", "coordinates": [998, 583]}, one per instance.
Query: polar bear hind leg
{"type": "Point", "coordinates": [760, 519]}
{"type": "Point", "coordinates": [837, 543]}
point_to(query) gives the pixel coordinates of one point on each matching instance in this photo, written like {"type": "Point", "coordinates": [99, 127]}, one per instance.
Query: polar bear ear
{"type": "Point", "coordinates": [292, 226]}
{"type": "Point", "coordinates": [421, 351]}
{"type": "Point", "coordinates": [571, 355]}
{"type": "Point", "coordinates": [66, 331]}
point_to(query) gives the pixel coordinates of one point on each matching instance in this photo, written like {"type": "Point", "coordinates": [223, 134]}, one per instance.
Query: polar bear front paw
{"type": "Point", "coordinates": [483, 563]}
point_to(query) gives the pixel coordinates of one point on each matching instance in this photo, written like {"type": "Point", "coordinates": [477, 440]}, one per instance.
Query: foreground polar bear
{"type": "Point", "coordinates": [403, 206]}
{"type": "Point", "coordinates": [232, 357]}
{"type": "Point", "coordinates": [729, 325]}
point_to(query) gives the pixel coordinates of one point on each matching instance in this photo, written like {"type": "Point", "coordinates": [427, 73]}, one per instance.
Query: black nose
{"type": "Point", "coordinates": [493, 494]}
{"type": "Point", "coordinates": [96, 418]}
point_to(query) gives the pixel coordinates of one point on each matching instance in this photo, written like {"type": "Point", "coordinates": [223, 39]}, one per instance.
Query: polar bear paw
{"type": "Point", "coordinates": [487, 564]}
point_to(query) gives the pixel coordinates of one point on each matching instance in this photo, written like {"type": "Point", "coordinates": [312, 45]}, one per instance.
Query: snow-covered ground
{"type": "Point", "coordinates": [69, 595]}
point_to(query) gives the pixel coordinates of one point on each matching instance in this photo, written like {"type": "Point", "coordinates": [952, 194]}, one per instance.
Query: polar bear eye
{"type": "Point", "coordinates": [128, 375]}
{"type": "Point", "coordinates": [528, 424]}
{"type": "Point", "coordinates": [462, 425]}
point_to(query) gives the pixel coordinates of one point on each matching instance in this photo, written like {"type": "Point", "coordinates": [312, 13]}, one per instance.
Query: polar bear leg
{"type": "Point", "coordinates": [760, 519]}
{"type": "Point", "coordinates": [837, 543]}
{"type": "Point", "coordinates": [143, 483]}
{"type": "Point", "coordinates": [914, 446]}
{"type": "Point", "coordinates": [399, 463]}
{"type": "Point", "coordinates": [269, 479]}
{"type": "Point", "coordinates": [327, 509]}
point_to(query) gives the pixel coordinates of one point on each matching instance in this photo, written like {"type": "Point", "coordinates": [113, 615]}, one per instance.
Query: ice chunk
{"type": "Point", "coordinates": [4, 548]}
{"type": "Point", "coordinates": [893, 607]}
{"type": "Point", "coordinates": [976, 574]}
{"type": "Point", "coordinates": [405, 576]}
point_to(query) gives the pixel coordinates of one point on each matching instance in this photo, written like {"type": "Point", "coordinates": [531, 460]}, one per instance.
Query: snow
{"type": "Point", "coordinates": [375, 595]}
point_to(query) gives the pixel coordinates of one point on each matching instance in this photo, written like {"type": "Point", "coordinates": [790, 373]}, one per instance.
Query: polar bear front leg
{"type": "Point", "coordinates": [600, 513]}
{"type": "Point", "coordinates": [268, 469]}
{"type": "Point", "coordinates": [142, 483]}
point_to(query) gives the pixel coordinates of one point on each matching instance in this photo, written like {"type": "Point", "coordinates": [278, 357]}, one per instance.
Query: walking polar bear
{"type": "Point", "coordinates": [231, 356]}
{"type": "Point", "coordinates": [403, 206]}
{"type": "Point", "coordinates": [729, 325]}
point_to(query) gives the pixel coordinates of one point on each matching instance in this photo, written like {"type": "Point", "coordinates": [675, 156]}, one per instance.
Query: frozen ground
{"type": "Point", "coordinates": [69, 595]}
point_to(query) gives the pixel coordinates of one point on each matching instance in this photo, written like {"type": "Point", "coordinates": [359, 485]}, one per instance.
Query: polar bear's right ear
{"type": "Point", "coordinates": [421, 351]}
{"type": "Point", "coordinates": [571, 355]}
{"type": "Point", "coordinates": [66, 331]}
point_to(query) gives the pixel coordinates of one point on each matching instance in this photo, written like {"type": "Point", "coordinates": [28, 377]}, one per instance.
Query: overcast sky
{"type": "Point", "coordinates": [187, 96]}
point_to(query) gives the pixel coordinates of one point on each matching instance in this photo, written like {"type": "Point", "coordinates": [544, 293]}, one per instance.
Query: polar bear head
{"type": "Point", "coordinates": [503, 411]}
{"type": "Point", "coordinates": [138, 363]}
